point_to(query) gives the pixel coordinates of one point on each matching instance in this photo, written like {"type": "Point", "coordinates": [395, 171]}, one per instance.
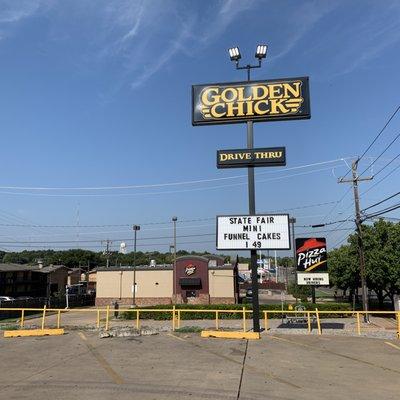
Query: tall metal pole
{"type": "Point", "coordinates": [174, 219]}
{"type": "Point", "coordinates": [355, 179]}
{"type": "Point", "coordinates": [252, 211]}
{"type": "Point", "coordinates": [135, 229]}
{"type": "Point", "coordinates": [292, 222]}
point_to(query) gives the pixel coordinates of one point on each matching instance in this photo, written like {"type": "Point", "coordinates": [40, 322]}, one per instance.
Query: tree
{"type": "Point", "coordinates": [382, 260]}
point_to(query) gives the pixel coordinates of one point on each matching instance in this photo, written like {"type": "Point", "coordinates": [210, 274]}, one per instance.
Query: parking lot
{"type": "Point", "coordinates": [178, 366]}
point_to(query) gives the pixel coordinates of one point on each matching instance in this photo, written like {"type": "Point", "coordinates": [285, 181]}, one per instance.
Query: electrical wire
{"type": "Point", "coordinates": [380, 202]}
{"type": "Point", "coordinates": [161, 193]}
{"type": "Point", "coordinates": [377, 136]}
{"type": "Point", "coordinates": [170, 183]}
{"type": "Point", "coordinates": [381, 154]}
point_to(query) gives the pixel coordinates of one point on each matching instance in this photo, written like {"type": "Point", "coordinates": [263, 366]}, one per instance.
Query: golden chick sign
{"type": "Point", "coordinates": [268, 100]}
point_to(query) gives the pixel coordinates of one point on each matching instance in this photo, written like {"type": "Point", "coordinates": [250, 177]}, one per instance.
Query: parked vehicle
{"type": "Point", "coordinates": [6, 298]}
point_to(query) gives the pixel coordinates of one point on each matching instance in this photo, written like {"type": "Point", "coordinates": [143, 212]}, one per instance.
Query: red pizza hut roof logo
{"type": "Point", "coordinates": [190, 269]}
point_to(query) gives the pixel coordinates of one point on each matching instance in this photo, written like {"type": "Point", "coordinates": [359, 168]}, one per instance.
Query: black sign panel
{"type": "Point", "coordinates": [311, 255]}
{"type": "Point", "coordinates": [267, 100]}
{"type": "Point", "coordinates": [262, 157]}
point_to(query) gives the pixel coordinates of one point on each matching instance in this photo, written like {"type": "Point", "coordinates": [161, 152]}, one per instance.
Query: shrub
{"type": "Point", "coordinates": [193, 314]}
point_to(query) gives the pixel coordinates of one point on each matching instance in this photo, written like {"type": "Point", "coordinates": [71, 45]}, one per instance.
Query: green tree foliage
{"type": "Point", "coordinates": [382, 260]}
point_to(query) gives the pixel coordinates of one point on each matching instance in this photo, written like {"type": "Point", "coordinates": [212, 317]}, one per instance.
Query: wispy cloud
{"type": "Point", "coordinates": [12, 11]}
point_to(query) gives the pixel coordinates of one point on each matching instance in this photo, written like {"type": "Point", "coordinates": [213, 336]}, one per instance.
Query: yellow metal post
{"type": "Point", "coordinates": [58, 319]}
{"type": "Point", "coordinates": [137, 320]}
{"type": "Point", "coordinates": [265, 321]}
{"type": "Point", "coordinates": [309, 321]}
{"type": "Point", "coordinates": [358, 323]}
{"type": "Point", "coordinates": [98, 319]}
{"type": "Point", "coordinates": [173, 318]}
{"type": "Point", "coordinates": [44, 316]}
{"type": "Point", "coordinates": [398, 325]}
{"type": "Point", "coordinates": [107, 317]}
{"type": "Point", "coordinates": [244, 319]}
{"type": "Point", "coordinates": [22, 318]}
{"type": "Point", "coordinates": [216, 320]}
{"type": "Point", "coordinates": [318, 322]}
{"type": "Point", "coordinates": [179, 319]}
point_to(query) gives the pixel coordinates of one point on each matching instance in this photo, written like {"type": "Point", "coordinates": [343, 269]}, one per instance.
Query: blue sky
{"type": "Point", "coordinates": [97, 94]}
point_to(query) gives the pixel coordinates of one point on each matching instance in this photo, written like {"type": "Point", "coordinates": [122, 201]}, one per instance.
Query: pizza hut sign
{"type": "Point", "coordinates": [190, 270]}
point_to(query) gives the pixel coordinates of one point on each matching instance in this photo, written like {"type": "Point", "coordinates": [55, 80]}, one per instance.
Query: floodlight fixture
{"type": "Point", "coordinates": [261, 51]}
{"type": "Point", "coordinates": [136, 227]}
{"type": "Point", "coordinates": [234, 54]}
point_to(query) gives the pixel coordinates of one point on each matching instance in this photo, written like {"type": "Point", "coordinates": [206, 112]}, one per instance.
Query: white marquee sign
{"type": "Point", "coordinates": [249, 232]}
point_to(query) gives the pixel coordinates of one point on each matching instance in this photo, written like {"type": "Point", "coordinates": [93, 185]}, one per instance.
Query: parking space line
{"type": "Point", "coordinates": [102, 361]}
{"type": "Point", "coordinates": [393, 345]}
{"type": "Point", "coordinates": [337, 354]}
{"type": "Point", "coordinates": [176, 337]}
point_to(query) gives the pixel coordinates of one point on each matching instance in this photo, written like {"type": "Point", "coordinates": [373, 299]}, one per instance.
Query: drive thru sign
{"type": "Point", "coordinates": [246, 232]}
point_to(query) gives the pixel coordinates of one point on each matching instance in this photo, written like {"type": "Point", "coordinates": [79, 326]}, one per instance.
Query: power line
{"type": "Point", "coordinates": [377, 136]}
{"type": "Point", "coordinates": [381, 180]}
{"type": "Point", "coordinates": [380, 202]}
{"type": "Point", "coordinates": [160, 193]}
{"type": "Point", "coordinates": [383, 152]}
{"type": "Point", "coordinates": [169, 183]}
{"type": "Point", "coordinates": [113, 240]}
{"type": "Point", "coordinates": [384, 211]}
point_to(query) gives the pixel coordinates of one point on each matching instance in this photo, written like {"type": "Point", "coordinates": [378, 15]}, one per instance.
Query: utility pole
{"type": "Point", "coordinates": [354, 180]}
{"type": "Point", "coordinates": [107, 251]}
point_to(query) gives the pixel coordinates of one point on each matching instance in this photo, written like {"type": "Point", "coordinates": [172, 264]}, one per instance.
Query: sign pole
{"type": "Point", "coordinates": [253, 253]}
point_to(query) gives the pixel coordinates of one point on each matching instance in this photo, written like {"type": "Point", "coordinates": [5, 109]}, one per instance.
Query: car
{"type": "Point", "coordinates": [249, 293]}
{"type": "Point", "coordinates": [24, 298]}
{"type": "Point", "coordinates": [6, 298]}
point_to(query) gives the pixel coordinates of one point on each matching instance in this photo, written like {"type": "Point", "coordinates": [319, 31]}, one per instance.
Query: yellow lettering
{"type": "Point", "coordinates": [232, 107]}
{"type": "Point", "coordinates": [257, 108]}
{"type": "Point", "coordinates": [293, 88]}
{"type": "Point", "coordinates": [278, 106]}
{"type": "Point", "coordinates": [231, 156]}
{"type": "Point", "coordinates": [249, 108]}
{"type": "Point", "coordinates": [275, 91]}
{"type": "Point", "coordinates": [233, 95]}
{"type": "Point", "coordinates": [259, 92]}
{"type": "Point", "coordinates": [240, 91]}
{"type": "Point", "coordinates": [223, 157]}
{"type": "Point", "coordinates": [214, 112]}
{"type": "Point", "coordinates": [207, 97]}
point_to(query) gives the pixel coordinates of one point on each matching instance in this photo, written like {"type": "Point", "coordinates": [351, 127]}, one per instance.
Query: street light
{"type": "Point", "coordinates": [261, 52]}
{"type": "Point", "coordinates": [235, 56]}
{"type": "Point", "coordinates": [135, 228]}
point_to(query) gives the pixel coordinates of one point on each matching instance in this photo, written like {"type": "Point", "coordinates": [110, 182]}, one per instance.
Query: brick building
{"type": "Point", "coordinates": [196, 280]}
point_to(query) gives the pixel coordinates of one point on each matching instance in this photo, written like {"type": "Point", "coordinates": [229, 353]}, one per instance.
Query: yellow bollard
{"type": "Point", "coordinates": [22, 318]}
{"type": "Point", "coordinates": [173, 319]}
{"type": "Point", "coordinates": [309, 321]}
{"type": "Point", "coordinates": [358, 323]}
{"type": "Point", "coordinates": [265, 321]}
{"type": "Point", "coordinates": [137, 320]}
{"type": "Point", "coordinates": [216, 320]}
{"type": "Point", "coordinates": [318, 322]}
{"type": "Point", "coordinates": [44, 316]}
{"type": "Point", "coordinates": [107, 317]}
{"type": "Point", "coordinates": [244, 319]}
{"type": "Point", "coordinates": [98, 319]}
{"type": "Point", "coordinates": [58, 319]}
{"type": "Point", "coordinates": [179, 319]}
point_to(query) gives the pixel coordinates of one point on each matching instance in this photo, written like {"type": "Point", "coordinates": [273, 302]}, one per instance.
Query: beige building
{"type": "Point", "coordinates": [197, 280]}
